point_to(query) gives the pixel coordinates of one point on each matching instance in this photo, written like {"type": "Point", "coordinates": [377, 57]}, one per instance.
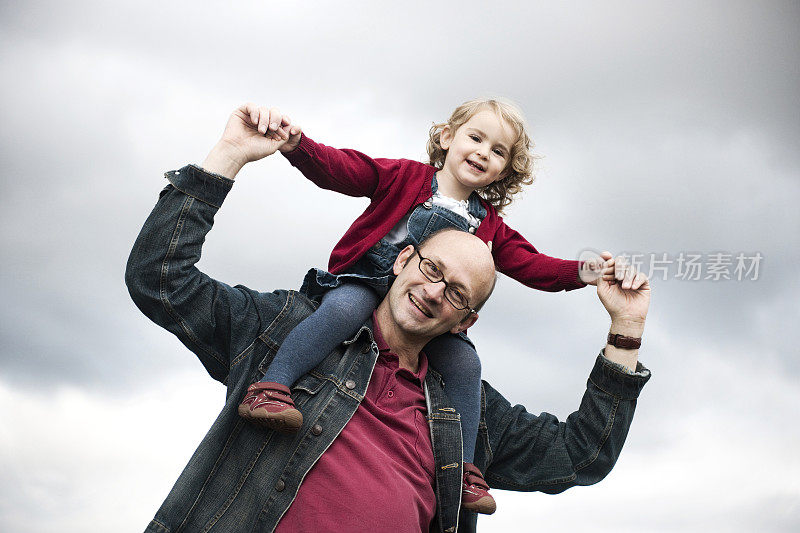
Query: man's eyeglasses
{"type": "Point", "coordinates": [432, 272]}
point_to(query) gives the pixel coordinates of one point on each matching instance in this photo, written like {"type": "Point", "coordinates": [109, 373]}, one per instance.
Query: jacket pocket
{"type": "Point", "coordinates": [309, 384]}
{"type": "Point", "coordinates": [305, 389]}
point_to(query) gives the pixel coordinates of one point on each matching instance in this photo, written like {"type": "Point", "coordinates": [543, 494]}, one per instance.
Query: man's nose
{"type": "Point", "coordinates": [434, 290]}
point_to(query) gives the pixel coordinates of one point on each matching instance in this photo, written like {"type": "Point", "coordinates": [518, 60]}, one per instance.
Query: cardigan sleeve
{"type": "Point", "coordinates": [346, 171]}
{"type": "Point", "coordinates": [517, 258]}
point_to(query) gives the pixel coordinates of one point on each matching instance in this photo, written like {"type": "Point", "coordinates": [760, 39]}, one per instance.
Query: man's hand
{"type": "Point", "coordinates": [625, 293]}
{"type": "Point", "coordinates": [252, 133]}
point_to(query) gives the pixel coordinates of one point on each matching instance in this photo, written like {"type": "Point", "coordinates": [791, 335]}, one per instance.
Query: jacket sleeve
{"type": "Point", "coordinates": [167, 287]}
{"type": "Point", "coordinates": [343, 170]}
{"type": "Point", "coordinates": [517, 258]}
{"type": "Point", "coordinates": [530, 452]}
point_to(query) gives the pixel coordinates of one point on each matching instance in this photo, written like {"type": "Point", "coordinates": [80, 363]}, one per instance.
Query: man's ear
{"type": "Point", "coordinates": [402, 258]}
{"type": "Point", "coordinates": [446, 137]}
{"type": "Point", "coordinates": [465, 324]}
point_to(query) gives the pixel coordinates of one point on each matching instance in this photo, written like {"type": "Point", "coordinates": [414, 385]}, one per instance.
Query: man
{"type": "Point", "coordinates": [380, 447]}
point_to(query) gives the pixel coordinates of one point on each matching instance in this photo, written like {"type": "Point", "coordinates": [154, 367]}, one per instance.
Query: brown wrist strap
{"type": "Point", "coordinates": [626, 343]}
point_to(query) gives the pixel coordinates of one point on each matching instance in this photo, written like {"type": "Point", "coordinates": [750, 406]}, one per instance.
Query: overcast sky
{"type": "Point", "coordinates": [665, 128]}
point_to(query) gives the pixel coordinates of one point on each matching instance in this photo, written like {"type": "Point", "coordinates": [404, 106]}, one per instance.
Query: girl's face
{"type": "Point", "coordinates": [477, 153]}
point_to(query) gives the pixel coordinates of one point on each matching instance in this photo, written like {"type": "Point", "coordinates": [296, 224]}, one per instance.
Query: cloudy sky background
{"type": "Point", "coordinates": [665, 127]}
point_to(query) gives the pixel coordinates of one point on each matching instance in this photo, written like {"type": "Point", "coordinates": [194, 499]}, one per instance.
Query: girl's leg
{"type": "Point", "coordinates": [458, 363]}
{"type": "Point", "coordinates": [342, 311]}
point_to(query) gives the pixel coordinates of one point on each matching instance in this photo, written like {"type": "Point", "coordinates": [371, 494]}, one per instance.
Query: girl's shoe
{"type": "Point", "coordinates": [475, 492]}
{"type": "Point", "coordinates": [270, 405]}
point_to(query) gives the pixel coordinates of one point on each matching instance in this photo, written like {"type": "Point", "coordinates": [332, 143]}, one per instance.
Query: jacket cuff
{"type": "Point", "coordinates": [616, 380]}
{"type": "Point", "coordinates": [568, 274]}
{"type": "Point", "coordinates": [205, 186]}
{"type": "Point", "coordinates": [302, 152]}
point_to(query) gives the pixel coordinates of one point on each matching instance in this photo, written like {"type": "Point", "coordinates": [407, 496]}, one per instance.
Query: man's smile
{"type": "Point", "coordinates": [419, 305]}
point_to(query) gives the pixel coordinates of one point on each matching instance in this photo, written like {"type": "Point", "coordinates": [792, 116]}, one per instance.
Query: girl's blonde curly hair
{"type": "Point", "coordinates": [519, 169]}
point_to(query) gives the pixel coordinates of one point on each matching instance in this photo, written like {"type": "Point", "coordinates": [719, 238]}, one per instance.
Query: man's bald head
{"type": "Point", "coordinates": [472, 253]}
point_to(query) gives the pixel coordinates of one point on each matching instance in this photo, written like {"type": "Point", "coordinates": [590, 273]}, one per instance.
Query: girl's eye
{"type": "Point", "coordinates": [475, 138]}
{"type": "Point", "coordinates": [498, 152]}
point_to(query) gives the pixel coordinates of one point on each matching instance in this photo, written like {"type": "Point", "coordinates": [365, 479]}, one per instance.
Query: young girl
{"type": "Point", "coordinates": [479, 159]}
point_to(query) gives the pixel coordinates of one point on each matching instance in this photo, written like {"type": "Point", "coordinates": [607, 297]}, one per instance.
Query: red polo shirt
{"type": "Point", "coordinates": [378, 473]}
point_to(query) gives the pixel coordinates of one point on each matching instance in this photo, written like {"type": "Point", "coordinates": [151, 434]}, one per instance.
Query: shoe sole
{"type": "Point", "coordinates": [485, 505]}
{"type": "Point", "coordinates": [286, 422]}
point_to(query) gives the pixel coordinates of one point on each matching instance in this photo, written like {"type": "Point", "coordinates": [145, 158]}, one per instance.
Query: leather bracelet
{"type": "Point", "coordinates": [626, 343]}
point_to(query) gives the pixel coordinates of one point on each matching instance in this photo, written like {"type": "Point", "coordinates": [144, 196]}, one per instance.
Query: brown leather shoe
{"type": "Point", "coordinates": [475, 492]}
{"type": "Point", "coordinates": [270, 405]}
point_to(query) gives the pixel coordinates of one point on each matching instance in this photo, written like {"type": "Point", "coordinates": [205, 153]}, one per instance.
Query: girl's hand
{"type": "Point", "coordinates": [294, 132]}
{"type": "Point", "coordinates": [593, 267]}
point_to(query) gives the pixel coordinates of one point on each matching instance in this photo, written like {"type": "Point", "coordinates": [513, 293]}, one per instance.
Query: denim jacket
{"type": "Point", "coordinates": [243, 477]}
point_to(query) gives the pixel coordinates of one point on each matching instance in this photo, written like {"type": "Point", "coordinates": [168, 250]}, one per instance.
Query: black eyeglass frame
{"type": "Point", "coordinates": [446, 285]}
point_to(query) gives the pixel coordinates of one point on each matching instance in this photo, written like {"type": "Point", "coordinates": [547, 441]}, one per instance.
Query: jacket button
{"type": "Point", "coordinates": [280, 485]}
{"type": "Point", "coordinates": [366, 348]}
{"type": "Point", "coordinates": [472, 229]}
{"type": "Point", "coordinates": [350, 384]}
{"type": "Point", "coordinates": [316, 430]}
{"type": "Point", "coordinates": [427, 204]}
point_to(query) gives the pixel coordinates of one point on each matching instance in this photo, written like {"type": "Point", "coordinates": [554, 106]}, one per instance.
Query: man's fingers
{"type": "Point", "coordinates": [263, 120]}
{"type": "Point", "coordinates": [252, 111]}
{"type": "Point", "coordinates": [639, 281]}
{"type": "Point", "coordinates": [630, 273]}
{"type": "Point", "coordinates": [620, 267]}
{"type": "Point", "coordinates": [275, 118]}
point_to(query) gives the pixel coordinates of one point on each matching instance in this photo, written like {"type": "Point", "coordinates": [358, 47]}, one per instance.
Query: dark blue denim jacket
{"type": "Point", "coordinates": [243, 478]}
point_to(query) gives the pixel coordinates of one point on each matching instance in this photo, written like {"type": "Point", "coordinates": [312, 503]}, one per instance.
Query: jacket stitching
{"type": "Point", "coordinates": [200, 493]}
{"type": "Point", "coordinates": [265, 335]}
{"type": "Point", "coordinates": [287, 306]}
{"type": "Point", "coordinates": [192, 196]}
{"type": "Point", "coordinates": [606, 432]}
{"type": "Point", "coordinates": [226, 505]}
{"type": "Point", "coordinates": [164, 278]}
{"type": "Point", "coordinates": [579, 466]}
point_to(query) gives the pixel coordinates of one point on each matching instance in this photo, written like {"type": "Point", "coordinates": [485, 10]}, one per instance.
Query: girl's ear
{"type": "Point", "coordinates": [446, 137]}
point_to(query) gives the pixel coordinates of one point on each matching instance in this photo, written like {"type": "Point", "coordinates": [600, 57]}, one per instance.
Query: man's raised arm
{"type": "Point", "coordinates": [527, 452]}
{"type": "Point", "coordinates": [161, 274]}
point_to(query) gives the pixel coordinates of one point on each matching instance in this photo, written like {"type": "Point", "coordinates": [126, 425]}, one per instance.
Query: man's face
{"type": "Point", "coordinates": [418, 306]}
